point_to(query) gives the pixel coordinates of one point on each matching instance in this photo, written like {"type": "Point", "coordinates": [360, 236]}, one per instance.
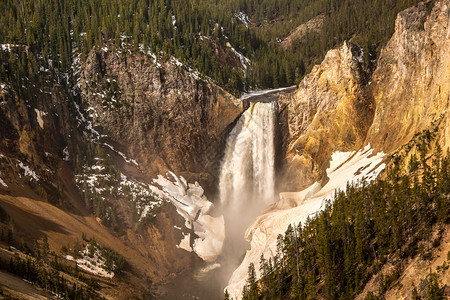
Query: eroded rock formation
{"type": "Point", "coordinates": [411, 82]}
{"type": "Point", "coordinates": [162, 115]}
{"type": "Point", "coordinates": [330, 111]}
{"type": "Point", "coordinates": [339, 107]}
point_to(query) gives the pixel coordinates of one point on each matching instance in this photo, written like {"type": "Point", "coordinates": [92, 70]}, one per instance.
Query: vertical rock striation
{"type": "Point", "coordinates": [161, 115]}
{"type": "Point", "coordinates": [338, 107]}
{"type": "Point", "coordinates": [411, 82]}
{"type": "Point", "coordinates": [330, 111]}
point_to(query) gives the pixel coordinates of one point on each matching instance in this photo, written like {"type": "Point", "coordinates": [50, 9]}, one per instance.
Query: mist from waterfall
{"type": "Point", "coordinates": [247, 175]}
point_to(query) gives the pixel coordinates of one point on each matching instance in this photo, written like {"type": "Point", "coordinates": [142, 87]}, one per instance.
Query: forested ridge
{"type": "Point", "coordinates": [334, 254]}
{"type": "Point", "coordinates": [197, 32]}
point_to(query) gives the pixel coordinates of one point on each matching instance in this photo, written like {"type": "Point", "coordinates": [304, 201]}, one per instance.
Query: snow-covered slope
{"type": "Point", "coordinates": [194, 207]}
{"type": "Point", "coordinates": [292, 208]}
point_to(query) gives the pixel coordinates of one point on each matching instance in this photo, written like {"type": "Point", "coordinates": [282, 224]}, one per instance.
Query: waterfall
{"type": "Point", "coordinates": [247, 173]}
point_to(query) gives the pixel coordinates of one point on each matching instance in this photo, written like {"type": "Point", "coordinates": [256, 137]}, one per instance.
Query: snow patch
{"type": "Point", "coordinates": [293, 208]}
{"type": "Point", "coordinates": [243, 18]}
{"type": "Point", "coordinates": [88, 124]}
{"type": "Point", "coordinates": [194, 207]}
{"type": "Point", "coordinates": [245, 62]}
{"type": "Point", "coordinates": [92, 264]}
{"type": "Point", "coordinates": [96, 179]}
{"type": "Point", "coordinates": [8, 47]}
{"type": "Point", "coordinates": [185, 243]}
{"type": "Point", "coordinates": [28, 172]}
{"type": "Point", "coordinates": [174, 20]}
{"type": "Point", "coordinates": [66, 155]}
{"type": "Point", "coordinates": [3, 87]}
{"type": "Point", "coordinates": [176, 62]}
{"type": "Point", "coordinates": [359, 58]}
{"type": "Point", "coordinates": [149, 53]}
{"type": "Point", "coordinates": [123, 155]}
{"type": "Point", "coordinates": [2, 182]}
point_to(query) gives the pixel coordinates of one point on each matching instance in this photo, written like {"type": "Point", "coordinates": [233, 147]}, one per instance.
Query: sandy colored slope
{"type": "Point", "coordinates": [415, 271]}
{"type": "Point", "coordinates": [37, 218]}
{"type": "Point", "coordinates": [299, 33]}
{"type": "Point", "coordinates": [20, 289]}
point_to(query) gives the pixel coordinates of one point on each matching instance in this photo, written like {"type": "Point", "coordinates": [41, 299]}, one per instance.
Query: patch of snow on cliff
{"type": "Point", "coordinates": [245, 62]}
{"type": "Point", "coordinates": [4, 87]}
{"type": "Point", "coordinates": [194, 74]}
{"type": "Point", "coordinates": [28, 172]}
{"type": "Point", "coordinates": [8, 47]}
{"type": "Point", "coordinates": [174, 21]}
{"type": "Point", "coordinates": [89, 128]}
{"type": "Point", "coordinates": [2, 182]}
{"type": "Point", "coordinates": [194, 207]}
{"type": "Point", "coordinates": [128, 160]}
{"type": "Point", "coordinates": [359, 58]}
{"type": "Point", "coordinates": [108, 183]}
{"type": "Point", "coordinates": [176, 62]}
{"type": "Point", "coordinates": [94, 263]}
{"type": "Point", "coordinates": [243, 18]}
{"type": "Point", "coordinates": [293, 208]}
{"type": "Point", "coordinates": [148, 53]}
{"type": "Point", "coordinates": [185, 243]}
{"type": "Point", "coordinates": [66, 154]}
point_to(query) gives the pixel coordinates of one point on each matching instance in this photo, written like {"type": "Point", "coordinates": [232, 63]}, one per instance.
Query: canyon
{"type": "Point", "coordinates": [213, 179]}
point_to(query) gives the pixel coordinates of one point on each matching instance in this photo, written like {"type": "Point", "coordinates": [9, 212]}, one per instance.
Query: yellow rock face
{"type": "Point", "coordinates": [335, 109]}
{"type": "Point", "coordinates": [411, 82]}
{"type": "Point", "coordinates": [327, 113]}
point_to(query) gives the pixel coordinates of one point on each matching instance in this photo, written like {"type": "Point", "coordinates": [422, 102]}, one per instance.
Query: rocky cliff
{"type": "Point", "coordinates": [81, 158]}
{"type": "Point", "coordinates": [330, 111]}
{"type": "Point", "coordinates": [40, 130]}
{"type": "Point", "coordinates": [338, 107]}
{"type": "Point", "coordinates": [160, 114]}
{"type": "Point", "coordinates": [411, 82]}
{"type": "Point", "coordinates": [36, 126]}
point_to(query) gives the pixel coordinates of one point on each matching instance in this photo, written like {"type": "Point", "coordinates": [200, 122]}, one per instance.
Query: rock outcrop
{"type": "Point", "coordinates": [161, 115]}
{"type": "Point", "coordinates": [314, 25]}
{"type": "Point", "coordinates": [330, 111]}
{"type": "Point", "coordinates": [412, 79]}
{"type": "Point", "coordinates": [154, 117]}
{"type": "Point", "coordinates": [339, 107]}
{"type": "Point", "coordinates": [35, 126]}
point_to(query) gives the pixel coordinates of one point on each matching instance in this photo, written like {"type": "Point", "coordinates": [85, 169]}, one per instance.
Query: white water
{"type": "Point", "coordinates": [247, 179]}
{"type": "Point", "coordinates": [248, 171]}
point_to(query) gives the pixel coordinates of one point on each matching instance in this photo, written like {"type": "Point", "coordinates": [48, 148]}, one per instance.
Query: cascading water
{"type": "Point", "coordinates": [246, 182]}
{"type": "Point", "coordinates": [246, 187]}
{"type": "Point", "coordinates": [247, 172]}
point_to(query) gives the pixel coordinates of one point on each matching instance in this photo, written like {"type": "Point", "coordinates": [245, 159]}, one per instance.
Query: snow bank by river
{"type": "Point", "coordinates": [292, 208]}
